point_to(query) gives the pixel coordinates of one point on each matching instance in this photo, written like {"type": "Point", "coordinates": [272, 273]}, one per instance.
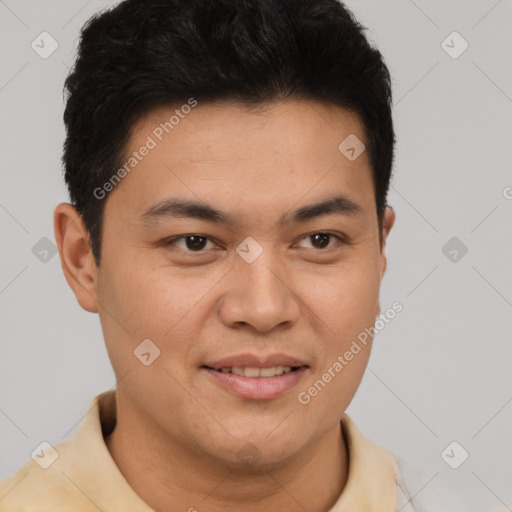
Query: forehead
{"type": "Point", "coordinates": [223, 152]}
{"type": "Point", "coordinates": [310, 123]}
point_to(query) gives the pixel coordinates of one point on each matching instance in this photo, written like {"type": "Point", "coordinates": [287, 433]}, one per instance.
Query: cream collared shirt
{"type": "Point", "coordinates": [85, 478]}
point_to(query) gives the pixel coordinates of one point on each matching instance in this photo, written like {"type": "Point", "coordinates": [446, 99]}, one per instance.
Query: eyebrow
{"type": "Point", "coordinates": [176, 208]}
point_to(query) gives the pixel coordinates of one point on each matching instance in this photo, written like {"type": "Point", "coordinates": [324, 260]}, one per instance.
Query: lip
{"type": "Point", "coordinates": [263, 388]}
{"type": "Point", "coordinates": [255, 361]}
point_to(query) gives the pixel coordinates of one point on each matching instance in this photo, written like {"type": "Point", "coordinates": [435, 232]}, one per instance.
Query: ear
{"type": "Point", "coordinates": [387, 223]}
{"type": "Point", "coordinates": [76, 256]}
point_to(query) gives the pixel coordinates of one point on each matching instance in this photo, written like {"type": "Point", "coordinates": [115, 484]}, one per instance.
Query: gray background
{"type": "Point", "coordinates": [440, 371]}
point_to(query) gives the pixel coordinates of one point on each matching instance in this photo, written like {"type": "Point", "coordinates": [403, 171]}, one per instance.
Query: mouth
{"type": "Point", "coordinates": [254, 378]}
{"type": "Point", "coordinates": [253, 372]}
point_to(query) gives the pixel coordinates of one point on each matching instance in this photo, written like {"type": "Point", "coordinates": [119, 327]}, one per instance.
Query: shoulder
{"type": "Point", "coordinates": [33, 488]}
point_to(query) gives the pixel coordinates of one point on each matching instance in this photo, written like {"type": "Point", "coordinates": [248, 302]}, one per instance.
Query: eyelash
{"type": "Point", "coordinates": [340, 241]}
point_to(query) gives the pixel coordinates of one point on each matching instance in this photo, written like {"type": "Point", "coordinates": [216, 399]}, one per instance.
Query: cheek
{"type": "Point", "coordinates": [142, 294]}
{"type": "Point", "coordinates": [346, 303]}
{"type": "Point", "coordinates": [346, 299]}
{"type": "Point", "coordinates": [158, 303]}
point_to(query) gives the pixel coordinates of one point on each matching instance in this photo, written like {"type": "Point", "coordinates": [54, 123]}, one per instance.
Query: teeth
{"type": "Point", "coordinates": [253, 372]}
{"type": "Point", "coordinates": [266, 372]}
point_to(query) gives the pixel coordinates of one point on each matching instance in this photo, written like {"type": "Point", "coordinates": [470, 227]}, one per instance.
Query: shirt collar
{"type": "Point", "coordinates": [100, 478]}
{"type": "Point", "coordinates": [373, 475]}
{"type": "Point", "coordinates": [371, 484]}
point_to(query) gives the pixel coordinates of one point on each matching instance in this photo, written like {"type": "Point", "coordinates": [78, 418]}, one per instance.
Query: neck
{"type": "Point", "coordinates": [312, 480]}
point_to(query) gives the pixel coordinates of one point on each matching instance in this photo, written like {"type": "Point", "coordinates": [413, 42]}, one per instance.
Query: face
{"type": "Point", "coordinates": [244, 243]}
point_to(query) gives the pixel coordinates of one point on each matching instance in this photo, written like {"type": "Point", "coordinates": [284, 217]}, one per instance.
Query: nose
{"type": "Point", "coordinates": [259, 295]}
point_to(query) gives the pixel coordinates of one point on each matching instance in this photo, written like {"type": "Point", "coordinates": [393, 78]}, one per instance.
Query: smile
{"type": "Point", "coordinates": [253, 372]}
{"type": "Point", "coordinates": [253, 383]}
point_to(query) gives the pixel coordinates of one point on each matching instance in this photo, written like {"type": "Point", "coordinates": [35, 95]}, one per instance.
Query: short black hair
{"type": "Point", "coordinates": [147, 53]}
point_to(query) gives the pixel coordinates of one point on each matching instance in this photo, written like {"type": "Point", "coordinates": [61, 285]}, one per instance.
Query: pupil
{"type": "Point", "coordinates": [196, 242]}
{"type": "Point", "coordinates": [321, 240]}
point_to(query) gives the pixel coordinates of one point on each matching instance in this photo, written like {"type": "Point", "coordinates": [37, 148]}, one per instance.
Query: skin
{"type": "Point", "coordinates": [296, 298]}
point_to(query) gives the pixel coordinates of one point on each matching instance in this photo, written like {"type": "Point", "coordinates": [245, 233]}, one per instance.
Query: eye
{"type": "Point", "coordinates": [198, 243]}
{"type": "Point", "coordinates": [191, 243]}
{"type": "Point", "coordinates": [322, 240]}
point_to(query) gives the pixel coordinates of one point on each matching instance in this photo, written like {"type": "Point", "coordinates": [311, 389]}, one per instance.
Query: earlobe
{"type": "Point", "coordinates": [388, 222]}
{"type": "Point", "coordinates": [76, 257]}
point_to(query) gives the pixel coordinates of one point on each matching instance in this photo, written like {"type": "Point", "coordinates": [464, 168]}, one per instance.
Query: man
{"type": "Point", "coordinates": [228, 164]}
